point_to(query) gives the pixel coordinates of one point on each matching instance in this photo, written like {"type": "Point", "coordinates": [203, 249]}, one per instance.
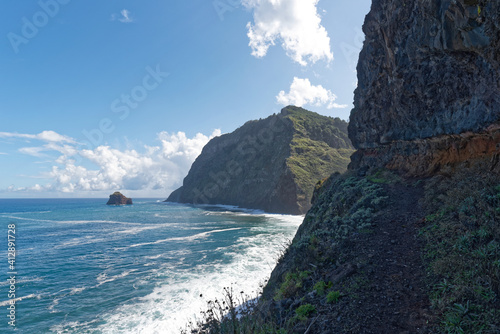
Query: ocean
{"type": "Point", "coordinates": [84, 267]}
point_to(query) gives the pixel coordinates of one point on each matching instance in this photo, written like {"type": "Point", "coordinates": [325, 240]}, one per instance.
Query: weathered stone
{"type": "Point", "coordinates": [427, 69]}
{"type": "Point", "coordinates": [118, 199]}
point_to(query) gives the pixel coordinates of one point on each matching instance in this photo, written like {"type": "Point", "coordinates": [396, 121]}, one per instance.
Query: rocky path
{"type": "Point", "coordinates": [386, 293]}
{"type": "Point", "coordinates": [396, 296]}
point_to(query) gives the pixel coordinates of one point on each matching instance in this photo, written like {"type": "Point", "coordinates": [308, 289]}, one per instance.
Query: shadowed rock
{"type": "Point", "coordinates": [118, 199]}
{"type": "Point", "coordinates": [428, 85]}
{"type": "Point", "coordinates": [270, 164]}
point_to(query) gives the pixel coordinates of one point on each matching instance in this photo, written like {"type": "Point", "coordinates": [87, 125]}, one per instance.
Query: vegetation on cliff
{"type": "Point", "coordinates": [383, 254]}
{"type": "Point", "coordinates": [271, 164]}
{"type": "Point", "coordinates": [462, 236]}
{"type": "Point", "coordinates": [318, 148]}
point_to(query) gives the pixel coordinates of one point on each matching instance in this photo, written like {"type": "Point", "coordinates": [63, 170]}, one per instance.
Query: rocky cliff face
{"type": "Point", "coordinates": [271, 164]}
{"type": "Point", "coordinates": [428, 69]}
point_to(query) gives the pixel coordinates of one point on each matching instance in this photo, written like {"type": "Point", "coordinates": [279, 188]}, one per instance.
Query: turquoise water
{"type": "Point", "coordinates": [84, 267]}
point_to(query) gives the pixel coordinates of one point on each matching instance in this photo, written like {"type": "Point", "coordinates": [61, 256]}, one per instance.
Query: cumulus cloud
{"type": "Point", "coordinates": [47, 136]}
{"type": "Point", "coordinates": [294, 23]}
{"type": "Point", "coordinates": [302, 92]}
{"type": "Point", "coordinates": [123, 17]}
{"type": "Point", "coordinates": [160, 167]}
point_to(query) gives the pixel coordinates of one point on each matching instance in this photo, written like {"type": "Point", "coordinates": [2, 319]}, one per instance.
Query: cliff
{"type": "Point", "coordinates": [428, 91]}
{"type": "Point", "coordinates": [408, 240]}
{"type": "Point", "coordinates": [271, 164]}
{"type": "Point", "coordinates": [118, 199]}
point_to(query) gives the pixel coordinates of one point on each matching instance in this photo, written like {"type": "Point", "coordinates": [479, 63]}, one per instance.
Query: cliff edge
{"type": "Point", "coordinates": [271, 164]}
{"type": "Point", "coordinates": [428, 92]}
{"type": "Point", "coordinates": [408, 240]}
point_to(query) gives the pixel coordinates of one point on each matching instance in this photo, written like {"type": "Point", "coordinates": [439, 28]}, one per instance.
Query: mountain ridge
{"type": "Point", "coordinates": [270, 164]}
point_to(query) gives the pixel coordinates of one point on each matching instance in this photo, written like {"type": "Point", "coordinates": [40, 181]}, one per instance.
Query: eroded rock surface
{"type": "Point", "coordinates": [427, 69]}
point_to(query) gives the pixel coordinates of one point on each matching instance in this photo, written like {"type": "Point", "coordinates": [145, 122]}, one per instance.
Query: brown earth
{"type": "Point", "coordinates": [426, 157]}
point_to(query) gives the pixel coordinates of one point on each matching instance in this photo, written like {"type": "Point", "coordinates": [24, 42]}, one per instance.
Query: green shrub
{"type": "Point", "coordinates": [303, 312]}
{"type": "Point", "coordinates": [384, 176]}
{"type": "Point", "coordinates": [293, 282]}
{"type": "Point", "coordinates": [321, 287]}
{"type": "Point", "coordinates": [333, 297]}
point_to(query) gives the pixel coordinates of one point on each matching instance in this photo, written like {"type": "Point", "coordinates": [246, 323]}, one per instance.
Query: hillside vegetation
{"type": "Point", "coordinates": [271, 164]}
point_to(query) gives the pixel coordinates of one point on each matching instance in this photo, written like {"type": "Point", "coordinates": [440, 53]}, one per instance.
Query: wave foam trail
{"type": "Point", "coordinates": [188, 238]}
{"type": "Point", "coordinates": [103, 277]}
{"type": "Point", "coordinates": [71, 221]}
{"type": "Point", "coordinates": [7, 302]}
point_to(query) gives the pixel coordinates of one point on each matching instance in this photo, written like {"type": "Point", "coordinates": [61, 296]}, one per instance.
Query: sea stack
{"type": "Point", "coordinates": [118, 199]}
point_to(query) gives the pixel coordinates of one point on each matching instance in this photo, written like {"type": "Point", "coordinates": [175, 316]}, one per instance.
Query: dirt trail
{"type": "Point", "coordinates": [386, 293]}
{"type": "Point", "coordinates": [397, 296]}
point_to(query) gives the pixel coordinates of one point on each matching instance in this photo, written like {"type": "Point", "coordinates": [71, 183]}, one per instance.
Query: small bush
{"type": "Point", "coordinates": [333, 297]}
{"type": "Point", "coordinates": [321, 287]}
{"type": "Point", "coordinates": [384, 176]}
{"type": "Point", "coordinates": [303, 312]}
{"type": "Point", "coordinates": [293, 282]}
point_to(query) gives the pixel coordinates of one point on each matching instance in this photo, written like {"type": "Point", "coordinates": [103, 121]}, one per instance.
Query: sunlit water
{"type": "Point", "coordinates": [84, 267]}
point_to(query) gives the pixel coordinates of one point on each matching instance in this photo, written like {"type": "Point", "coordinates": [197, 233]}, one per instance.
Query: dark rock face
{"type": "Point", "coordinates": [270, 164]}
{"type": "Point", "coordinates": [428, 68]}
{"type": "Point", "coordinates": [118, 199]}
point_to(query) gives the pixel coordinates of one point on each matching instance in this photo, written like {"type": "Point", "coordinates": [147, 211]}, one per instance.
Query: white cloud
{"type": "Point", "coordinates": [160, 167]}
{"type": "Point", "coordinates": [37, 151]}
{"type": "Point", "coordinates": [302, 92]}
{"type": "Point", "coordinates": [295, 23]}
{"type": "Point", "coordinates": [47, 136]}
{"type": "Point", "coordinates": [123, 17]}
{"type": "Point", "coordinates": [34, 151]}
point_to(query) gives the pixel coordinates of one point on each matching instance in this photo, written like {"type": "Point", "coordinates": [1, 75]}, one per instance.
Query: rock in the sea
{"type": "Point", "coordinates": [271, 164]}
{"type": "Point", "coordinates": [118, 199]}
{"type": "Point", "coordinates": [428, 84]}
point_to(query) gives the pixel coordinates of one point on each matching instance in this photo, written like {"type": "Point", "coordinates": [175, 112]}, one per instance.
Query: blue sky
{"type": "Point", "coordinates": [99, 96]}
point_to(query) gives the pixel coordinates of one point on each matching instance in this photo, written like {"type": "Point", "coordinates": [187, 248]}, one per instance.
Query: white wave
{"type": "Point", "coordinates": [293, 219]}
{"type": "Point", "coordinates": [72, 221]}
{"type": "Point", "coordinates": [53, 305]}
{"type": "Point", "coordinates": [7, 302]}
{"type": "Point", "coordinates": [69, 327]}
{"type": "Point", "coordinates": [136, 230]}
{"type": "Point", "coordinates": [230, 209]}
{"type": "Point", "coordinates": [103, 278]}
{"type": "Point", "coordinates": [89, 239]}
{"type": "Point", "coordinates": [188, 238]}
{"type": "Point", "coordinates": [22, 281]}
{"type": "Point", "coordinates": [74, 291]}
{"type": "Point", "coordinates": [60, 295]}
{"type": "Point", "coordinates": [185, 292]}
{"type": "Point", "coordinates": [28, 212]}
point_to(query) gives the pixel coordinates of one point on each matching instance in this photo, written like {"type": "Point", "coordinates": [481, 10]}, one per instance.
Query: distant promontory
{"type": "Point", "coordinates": [118, 199]}
{"type": "Point", "coordinates": [270, 164]}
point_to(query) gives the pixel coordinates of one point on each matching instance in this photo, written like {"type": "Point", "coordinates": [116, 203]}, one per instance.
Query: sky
{"type": "Point", "coordinates": [98, 96]}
